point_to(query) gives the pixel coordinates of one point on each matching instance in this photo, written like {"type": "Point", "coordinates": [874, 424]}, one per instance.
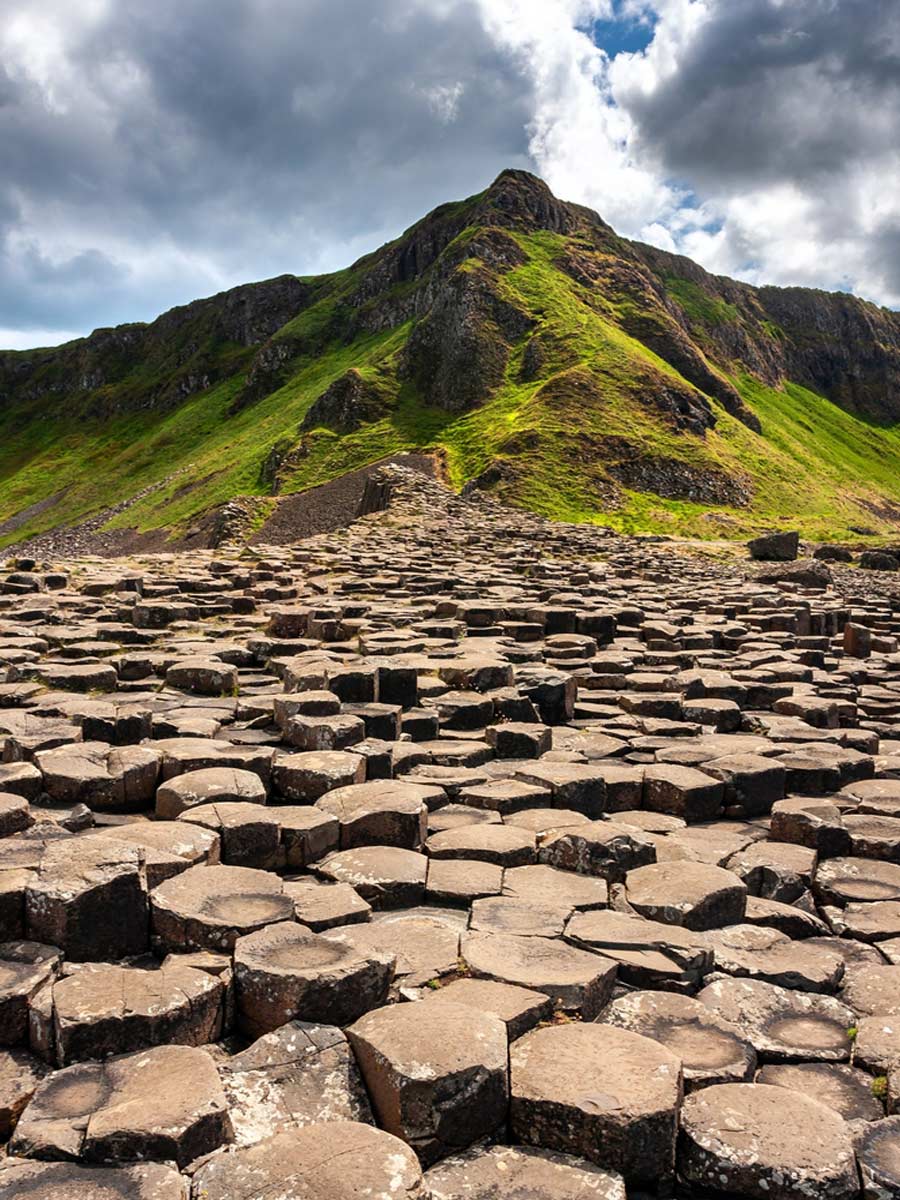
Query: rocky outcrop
{"type": "Point", "coordinates": [835, 344]}
{"type": "Point", "coordinates": [135, 367]}
{"type": "Point", "coordinates": [520, 200]}
{"type": "Point", "coordinates": [352, 400]}
{"type": "Point", "coordinates": [676, 480]}
{"type": "Point", "coordinates": [840, 346]}
{"type": "Point", "coordinates": [269, 370]}
{"type": "Point", "coordinates": [457, 355]}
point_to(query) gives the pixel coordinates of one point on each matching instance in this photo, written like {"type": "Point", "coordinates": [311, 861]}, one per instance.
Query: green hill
{"type": "Point", "coordinates": [535, 352]}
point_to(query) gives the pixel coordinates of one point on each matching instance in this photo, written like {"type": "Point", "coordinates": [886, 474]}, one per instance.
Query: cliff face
{"type": "Point", "coordinates": [542, 355]}
{"type": "Point", "coordinates": [181, 353]}
{"type": "Point", "coordinates": [842, 347]}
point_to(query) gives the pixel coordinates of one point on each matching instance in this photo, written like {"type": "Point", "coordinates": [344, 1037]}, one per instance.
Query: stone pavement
{"type": "Point", "coordinates": [453, 854]}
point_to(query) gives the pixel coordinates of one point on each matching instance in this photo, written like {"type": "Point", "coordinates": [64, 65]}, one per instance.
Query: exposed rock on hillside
{"type": "Point", "coordinates": [347, 403]}
{"type": "Point", "coordinates": [458, 353]}
{"type": "Point", "coordinates": [513, 333]}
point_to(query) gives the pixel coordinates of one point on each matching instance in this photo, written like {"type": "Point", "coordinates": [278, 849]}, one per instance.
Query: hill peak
{"type": "Point", "coordinates": [513, 335]}
{"type": "Point", "coordinates": [523, 200]}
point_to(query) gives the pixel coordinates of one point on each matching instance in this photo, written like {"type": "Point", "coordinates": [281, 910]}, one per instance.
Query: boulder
{"type": "Point", "coordinates": [878, 560]}
{"type": "Point", "coordinates": [774, 547]}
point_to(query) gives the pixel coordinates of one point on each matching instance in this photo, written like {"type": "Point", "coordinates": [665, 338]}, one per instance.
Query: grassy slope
{"type": "Point", "coordinates": [815, 465]}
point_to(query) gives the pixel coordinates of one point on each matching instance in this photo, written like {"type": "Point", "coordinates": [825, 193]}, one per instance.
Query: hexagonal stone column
{"type": "Point", "coordinates": [383, 812]}
{"type": "Point", "coordinates": [691, 894]}
{"type": "Point", "coordinates": [209, 908]}
{"type": "Point", "coordinates": [878, 1151]}
{"type": "Point", "coordinates": [168, 847]}
{"type": "Point", "coordinates": [711, 1050]}
{"type": "Point", "coordinates": [165, 1103]}
{"type": "Point", "coordinates": [286, 972]}
{"type": "Point", "coordinates": [385, 876]}
{"type": "Point", "coordinates": [297, 1075]}
{"type": "Point", "coordinates": [20, 1074]}
{"type": "Point", "coordinates": [602, 848]}
{"type": "Point", "coordinates": [211, 784]}
{"type": "Point", "coordinates": [307, 777]}
{"type": "Point", "coordinates": [575, 980]}
{"type": "Point", "coordinates": [205, 676]}
{"type": "Point", "coordinates": [22, 1179]}
{"type": "Point", "coordinates": [104, 777]}
{"type": "Point", "coordinates": [437, 1073]}
{"type": "Point", "coordinates": [606, 1094]}
{"type": "Point", "coordinates": [495, 1171]}
{"type": "Point", "coordinates": [847, 1090]}
{"type": "Point", "coordinates": [90, 899]}
{"type": "Point", "coordinates": [249, 834]}
{"type": "Point", "coordinates": [25, 967]}
{"type": "Point", "coordinates": [783, 1025]}
{"type": "Point", "coordinates": [766, 1143]}
{"type": "Point", "coordinates": [105, 1009]}
{"type": "Point", "coordinates": [318, 1162]}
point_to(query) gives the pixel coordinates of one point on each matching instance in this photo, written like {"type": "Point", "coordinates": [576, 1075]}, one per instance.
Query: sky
{"type": "Point", "coordinates": [152, 153]}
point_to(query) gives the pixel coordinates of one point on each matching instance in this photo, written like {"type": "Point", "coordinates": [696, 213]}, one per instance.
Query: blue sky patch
{"type": "Point", "coordinates": [623, 34]}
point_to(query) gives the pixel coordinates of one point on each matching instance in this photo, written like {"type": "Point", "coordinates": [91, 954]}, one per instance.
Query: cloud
{"type": "Point", "coordinates": [784, 117]}
{"type": "Point", "coordinates": [154, 153]}
{"type": "Point", "coordinates": [195, 146]}
{"type": "Point", "coordinates": [579, 137]}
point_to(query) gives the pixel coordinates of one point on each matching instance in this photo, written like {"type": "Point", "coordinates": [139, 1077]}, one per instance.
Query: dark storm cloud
{"type": "Point", "coordinates": [179, 147]}
{"type": "Point", "coordinates": [155, 152]}
{"type": "Point", "coordinates": [770, 91]}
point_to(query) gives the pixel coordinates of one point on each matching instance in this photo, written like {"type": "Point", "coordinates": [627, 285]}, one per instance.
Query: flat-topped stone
{"type": "Point", "coordinates": [486, 1173]}
{"type": "Point", "coordinates": [605, 1094]}
{"type": "Point", "coordinates": [691, 894]}
{"type": "Point", "coordinates": [383, 812]}
{"type": "Point", "coordinates": [211, 907]}
{"type": "Point", "coordinates": [24, 1179]}
{"type": "Point", "coordinates": [754, 1140]}
{"type": "Point", "coordinates": [711, 1050]}
{"type": "Point", "coordinates": [103, 1010]}
{"type": "Point", "coordinates": [784, 1025]}
{"type": "Point", "coordinates": [193, 788]}
{"type": "Point", "coordinates": [164, 1103]}
{"type": "Point", "coordinates": [385, 876]}
{"type": "Point", "coordinates": [297, 1075]}
{"type": "Point", "coordinates": [575, 980]}
{"type": "Point", "coordinates": [320, 1161]}
{"type": "Point", "coordinates": [437, 1073]}
{"type": "Point", "coordinates": [285, 972]}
